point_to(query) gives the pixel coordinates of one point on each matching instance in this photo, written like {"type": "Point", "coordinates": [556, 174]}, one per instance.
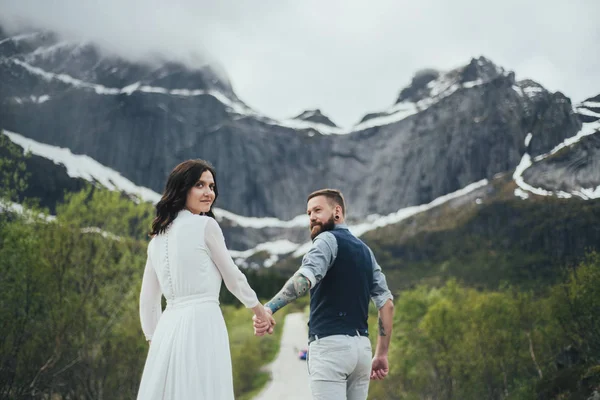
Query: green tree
{"type": "Point", "coordinates": [13, 177]}
{"type": "Point", "coordinates": [112, 213]}
{"type": "Point", "coordinates": [576, 305]}
{"type": "Point", "coordinates": [69, 309]}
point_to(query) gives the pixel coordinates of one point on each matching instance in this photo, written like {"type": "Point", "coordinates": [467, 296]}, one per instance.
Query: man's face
{"type": "Point", "coordinates": [320, 213]}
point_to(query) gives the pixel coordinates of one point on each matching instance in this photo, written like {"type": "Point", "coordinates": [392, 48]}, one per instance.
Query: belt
{"type": "Point", "coordinates": [193, 299]}
{"type": "Point", "coordinates": [356, 332]}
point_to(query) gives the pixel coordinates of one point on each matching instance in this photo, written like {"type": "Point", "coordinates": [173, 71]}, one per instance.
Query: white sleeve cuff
{"type": "Point", "coordinates": [253, 304]}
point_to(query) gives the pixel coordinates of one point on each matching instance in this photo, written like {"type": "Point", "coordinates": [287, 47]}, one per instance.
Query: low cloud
{"type": "Point", "coordinates": [345, 57]}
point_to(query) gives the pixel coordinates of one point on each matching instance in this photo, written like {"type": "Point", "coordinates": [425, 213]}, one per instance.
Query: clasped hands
{"type": "Point", "coordinates": [263, 321]}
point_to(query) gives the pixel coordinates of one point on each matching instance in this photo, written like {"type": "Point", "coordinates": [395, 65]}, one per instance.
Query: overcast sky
{"type": "Point", "coordinates": [345, 57]}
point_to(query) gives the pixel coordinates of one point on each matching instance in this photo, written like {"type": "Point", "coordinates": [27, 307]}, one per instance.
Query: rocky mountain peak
{"type": "Point", "coordinates": [480, 69]}
{"type": "Point", "coordinates": [315, 115]}
{"type": "Point", "coordinates": [429, 83]}
{"type": "Point", "coordinates": [92, 65]}
{"type": "Point", "coordinates": [418, 85]}
{"type": "Point", "coordinates": [449, 130]}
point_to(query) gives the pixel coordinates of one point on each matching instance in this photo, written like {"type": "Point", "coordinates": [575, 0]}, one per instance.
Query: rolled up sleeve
{"type": "Point", "coordinates": [380, 293]}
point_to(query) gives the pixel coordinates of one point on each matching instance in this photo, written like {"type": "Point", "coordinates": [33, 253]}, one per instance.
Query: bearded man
{"type": "Point", "coordinates": [342, 276]}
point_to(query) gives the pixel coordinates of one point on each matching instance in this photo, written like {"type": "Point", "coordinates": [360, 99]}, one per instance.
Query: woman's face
{"type": "Point", "coordinates": [201, 196]}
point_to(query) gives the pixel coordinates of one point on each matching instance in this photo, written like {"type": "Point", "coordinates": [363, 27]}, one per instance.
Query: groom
{"type": "Point", "coordinates": [342, 275]}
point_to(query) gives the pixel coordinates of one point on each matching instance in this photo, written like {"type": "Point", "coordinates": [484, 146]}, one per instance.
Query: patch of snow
{"type": "Point", "coordinates": [82, 166]}
{"type": "Point", "coordinates": [521, 193]}
{"type": "Point", "coordinates": [528, 139]}
{"type": "Point", "coordinates": [519, 90]}
{"type": "Point", "coordinates": [591, 193]}
{"type": "Point", "coordinates": [589, 113]}
{"type": "Point", "coordinates": [586, 129]}
{"type": "Point", "coordinates": [526, 162]}
{"type": "Point", "coordinates": [393, 218]}
{"type": "Point", "coordinates": [85, 167]}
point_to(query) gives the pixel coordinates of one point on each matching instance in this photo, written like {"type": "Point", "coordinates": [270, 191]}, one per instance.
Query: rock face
{"type": "Point", "coordinates": [576, 168]}
{"type": "Point", "coordinates": [448, 129]}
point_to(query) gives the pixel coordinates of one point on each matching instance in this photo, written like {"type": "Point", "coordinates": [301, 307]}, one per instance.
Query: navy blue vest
{"type": "Point", "coordinates": [339, 303]}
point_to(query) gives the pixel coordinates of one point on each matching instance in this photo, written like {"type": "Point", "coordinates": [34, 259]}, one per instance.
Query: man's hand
{"type": "Point", "coordinates": [263, 322]}
{"type": "Point", "coordinates": [379, 368]}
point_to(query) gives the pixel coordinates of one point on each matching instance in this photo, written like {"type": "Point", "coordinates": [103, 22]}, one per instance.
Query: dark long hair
{"type": "Point", "coordinates": [180, 181]}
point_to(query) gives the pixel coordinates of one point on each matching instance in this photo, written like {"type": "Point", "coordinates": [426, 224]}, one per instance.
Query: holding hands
{"type": "Point", "coordinates": [262, 320]}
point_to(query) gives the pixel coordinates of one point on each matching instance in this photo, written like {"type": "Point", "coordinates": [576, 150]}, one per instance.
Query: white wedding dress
{"type": "Point", "coordinates": [189, 355]}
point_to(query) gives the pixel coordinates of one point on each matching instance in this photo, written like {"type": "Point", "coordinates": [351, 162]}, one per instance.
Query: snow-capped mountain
{"type": "Point", "coordinates": [572, 167]}
{"type": "Point", "coordinates": [83, 65]}
{"type": "Point", "coordinates": [270, 235]}
{"type": "Point", "coordinates": [124, 126]}
{"type": "Point", "coordinates": [81, 168]}
{"type": "Point", "coordinates": [448, 129]}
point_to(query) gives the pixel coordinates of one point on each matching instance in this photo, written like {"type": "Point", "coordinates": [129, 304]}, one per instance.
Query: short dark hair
{"type": "Point", "coordinates": [333, 195]}
{"type": "Point", "coordinates": [183, 177]}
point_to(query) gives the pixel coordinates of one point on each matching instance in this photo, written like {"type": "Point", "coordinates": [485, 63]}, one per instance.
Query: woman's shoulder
{"type": "Point", "coordinates": [209, 223]}
{"type": "Point", "coordinates": [152, 243]}
{"type": "Point", "coordinates": [203, 222]}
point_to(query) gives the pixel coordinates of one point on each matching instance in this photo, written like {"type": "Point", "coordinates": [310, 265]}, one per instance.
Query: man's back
{"type": "Point", "coordinates": [339, 303]}
{"type": "Point", "coordinates": [342, 275]}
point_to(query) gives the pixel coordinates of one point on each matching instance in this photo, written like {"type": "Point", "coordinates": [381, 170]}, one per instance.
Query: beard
{"type": "Point", "coordinates": [317, 227]}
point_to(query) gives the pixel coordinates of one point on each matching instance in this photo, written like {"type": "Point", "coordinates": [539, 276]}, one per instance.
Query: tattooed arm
{"type": "Point", "coordinates": [315, 264]}
{"type": "Point", "coordinates": [380, 367]}
{"type": "Point", "coordinates": [296, 287]}
{"type": "Point", "coordinates": [383, 299]}
{"type": "Point", "coordinates": [386, 315]}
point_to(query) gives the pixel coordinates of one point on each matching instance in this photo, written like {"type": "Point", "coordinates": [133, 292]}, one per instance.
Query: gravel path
{"type": "Point", "coordinates": [289, 374]}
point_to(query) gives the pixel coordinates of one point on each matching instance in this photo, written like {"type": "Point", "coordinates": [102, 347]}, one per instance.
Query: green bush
{"type": "Point", "coordinates": [69, 305]}
{"type": "Point", "coordinates": [456, 342]}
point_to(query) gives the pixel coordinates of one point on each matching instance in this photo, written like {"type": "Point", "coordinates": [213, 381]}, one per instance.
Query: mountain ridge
{"type": "Point", "coordinates": [472, 128]}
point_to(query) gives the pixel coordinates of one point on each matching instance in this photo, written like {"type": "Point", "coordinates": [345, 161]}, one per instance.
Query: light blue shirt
{"type": "Point", "coordinates": [321, 256]}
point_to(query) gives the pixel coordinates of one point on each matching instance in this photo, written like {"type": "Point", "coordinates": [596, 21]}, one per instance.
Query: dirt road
{"type": "Point", "coordinates": [289, 373]}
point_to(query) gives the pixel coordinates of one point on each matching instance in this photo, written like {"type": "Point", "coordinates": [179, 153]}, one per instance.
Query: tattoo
{"type": "Point", "coordinates": [381, 330]}
{"type": "Point", "coordinates": [297, 286]}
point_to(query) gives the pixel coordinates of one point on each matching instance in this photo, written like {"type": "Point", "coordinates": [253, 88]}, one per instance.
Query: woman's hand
{"type": "Point", "coordinates": [262, 320]}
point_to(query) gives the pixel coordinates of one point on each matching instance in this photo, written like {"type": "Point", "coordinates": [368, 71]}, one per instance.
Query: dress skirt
{"type": "Point", "coordinates": [189, 356]}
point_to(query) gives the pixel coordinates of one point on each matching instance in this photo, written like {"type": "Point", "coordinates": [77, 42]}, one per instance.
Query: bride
{"type": "Point", "coordinates": [189, 355]}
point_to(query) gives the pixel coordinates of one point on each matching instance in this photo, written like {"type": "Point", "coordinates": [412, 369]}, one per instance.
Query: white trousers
{"type": "Point", "coordinates": [339, 367]}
